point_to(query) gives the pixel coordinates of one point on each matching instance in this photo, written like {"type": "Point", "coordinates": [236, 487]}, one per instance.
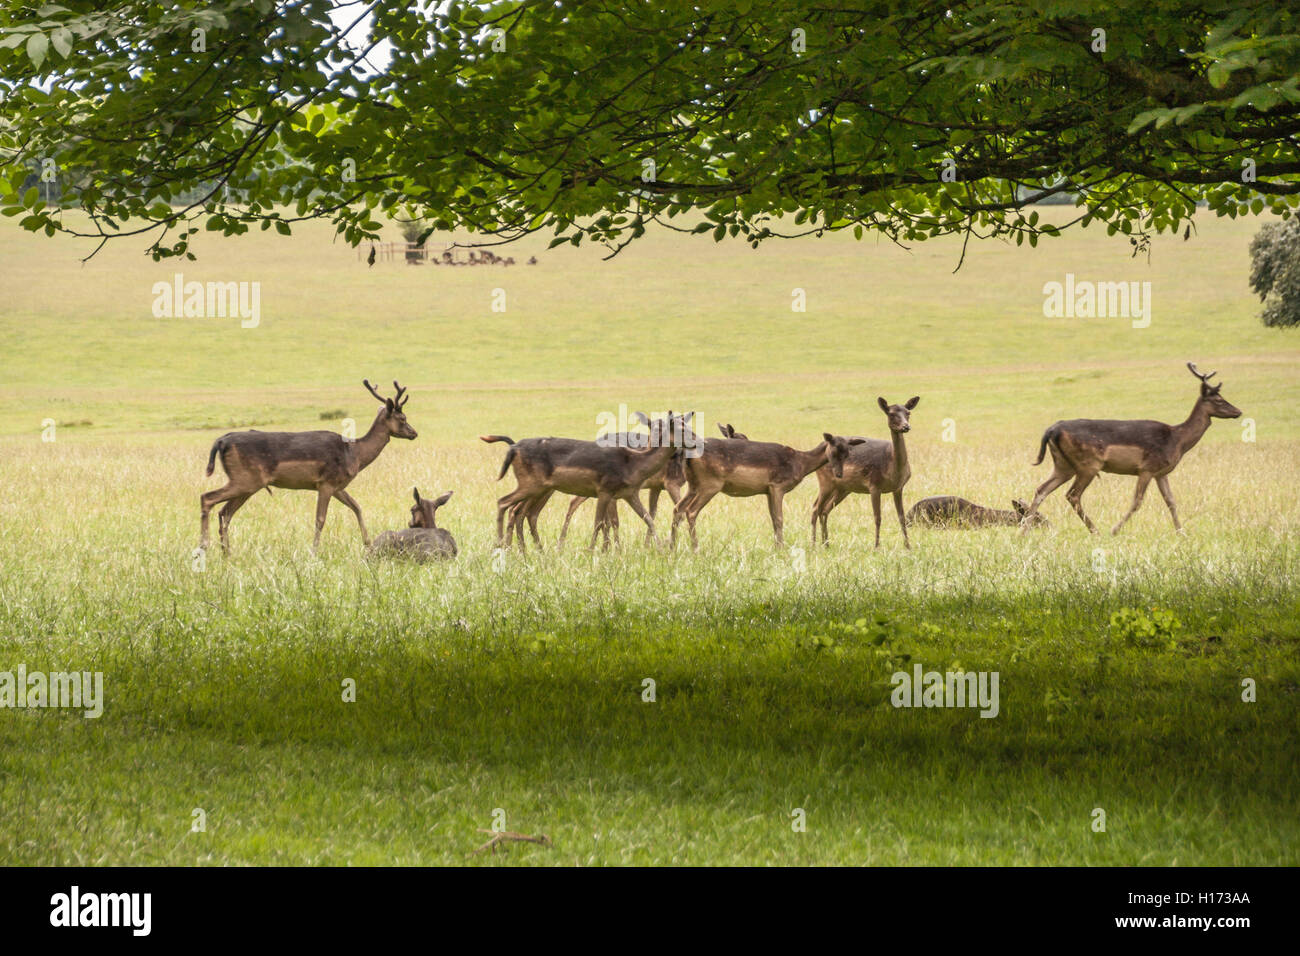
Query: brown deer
{"type": "Point", "coordinates": [321, 460]}
{"type": "Point", "coordinates": [949, 511]}
{"type": "Point", "coordinates": [608, 473]}
{"type": "Point", "coordinates": [1083, 447]}
{"type": "Point", "coordinates": [873, 467]}
{"type": "Point", "coordinates": [740, 468]}
{"type": "Point", "coordinates": [671, 479]}
{"type": "Point", "coordinates": [423, 539]}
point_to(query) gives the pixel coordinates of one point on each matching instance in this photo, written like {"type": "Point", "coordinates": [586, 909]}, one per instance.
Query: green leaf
{"type": "Point", "coordinates": [37, 44]}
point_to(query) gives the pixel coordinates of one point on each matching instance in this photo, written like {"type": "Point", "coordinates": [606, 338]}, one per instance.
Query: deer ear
{"type": "Point", "coordinates": [857, 441]}
{"type": "Point", "coordinates": [642, 417]}
{"type": "Point", "coordinates": [911, 402]}
{"type": "Point", "coordinates": [442, 499]}
{"type": "Point", "coordinates": [829, 438]}
{"type": "Point", "coordinates": [884, 405]}
{"type": "Point", "coordinates": [416, 492]}
{"type": "Point", "coordinates": [1019, 505]}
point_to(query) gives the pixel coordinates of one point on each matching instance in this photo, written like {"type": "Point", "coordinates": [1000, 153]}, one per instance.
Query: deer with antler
{"type": "Point", "coordinates": [322, 461]}
{"type": "Point", "coordinates": [1084, 447]}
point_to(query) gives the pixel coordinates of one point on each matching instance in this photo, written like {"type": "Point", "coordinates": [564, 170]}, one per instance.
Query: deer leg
{"type": "Point", "coordinates": [348, 500]}
{"type": "Point", "coordinates": [1046, 488]}
{"type": "Point", "coordinates": [323, 496]}
{"type": "Point", "coordinates": [902, 522]}
{"type": "Point", "coordinates": [1163, 484]}
{"type": "Point", "coordinates": [875, 510]}
{"type": "Point", "coordinates": [634, 502]}
{"type": "Point", "coordinates": [1075, 497]}
{"type": "Point", "coordinates": [223, 520]}
{"type": "Point", "coordinates": [532, 513]}
{"type": "Point", "coordinates": [653, 495]}
{"type": "Point", "coordinates": [679, 512]}
{"type": "Point", "coordinates": [574, 505]}
{"type": "Point", "coordinates": [776, 508]}
{"type": "Point", "coordinates": [698, 501]}
{"type": "Point", "coordinates": [207, 501]}
{"type": "Point", "coordinates": [1138, 495]}
{"type": "Point", "coordinates": [504, 504]}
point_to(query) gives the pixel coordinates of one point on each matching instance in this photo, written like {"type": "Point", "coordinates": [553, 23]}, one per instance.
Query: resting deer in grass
{"type": "Point", "coordinates": [423, 539]}
{"type": "Point", "coordinates": [317, 460]}
{"type": "Point", "coordinates": [608, 473]}
{"type": "Point", "coordinates": [872, 467]}
{"type": "Point", "coordinates": [740, 468]}
{"type": "Point", "coordinates": [949, 511]}
{"type": "Point", "coordinates": [1083, 447]}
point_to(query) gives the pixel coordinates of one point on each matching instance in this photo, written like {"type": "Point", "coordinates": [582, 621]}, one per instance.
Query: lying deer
{"type": "Point", "coordinates": [320, 460]}
{"type": "Point", "coordinates": [423, 539]}
{"type": "Point", "coordinates": [873, 467]}
{"type": "Point", "coordinates": [949, 511]}
{"type": "Point", "coordinates": [608, 473]}
{"type": "Point", "coordinates": [1083, 447]}
{"type": "Point", "coordinates": [740, 468]}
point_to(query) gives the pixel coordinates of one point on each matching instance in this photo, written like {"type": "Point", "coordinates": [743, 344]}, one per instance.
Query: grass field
{"type": "Point", "coordinates": [511, 688]}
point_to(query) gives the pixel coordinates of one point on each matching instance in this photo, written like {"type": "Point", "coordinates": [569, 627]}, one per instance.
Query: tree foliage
{"type": "Point", "coordinates": [1275, 271]}
{"type": "Point", "coordinates": [593, 120]}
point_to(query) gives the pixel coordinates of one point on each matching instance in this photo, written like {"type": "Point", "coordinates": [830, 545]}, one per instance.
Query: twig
{"type": "Point", "coordinates": [506, 836]}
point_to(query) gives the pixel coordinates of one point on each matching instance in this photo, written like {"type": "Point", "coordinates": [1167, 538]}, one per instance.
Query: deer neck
{"type": "Point", "coordinates": [900, 453]}
{"type": "Point", "coordinates": [810, 461]}
{"type": "Point", "coordinates": [369, 445]}
{"type": "Point", "coordinates": [1190, 431]}
{"type": "Point", "coordinates": [652, 459]}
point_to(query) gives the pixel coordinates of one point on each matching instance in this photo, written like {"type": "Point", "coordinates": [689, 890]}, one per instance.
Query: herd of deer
{"type": "Point", "coordinates": [671, 457]}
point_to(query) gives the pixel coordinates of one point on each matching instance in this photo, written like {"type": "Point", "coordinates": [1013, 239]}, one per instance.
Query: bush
{"type": "Point", "coordinates": [1275, 271]}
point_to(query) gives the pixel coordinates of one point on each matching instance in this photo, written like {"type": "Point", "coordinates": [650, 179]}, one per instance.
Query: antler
{"type": "Point", "coordinates": [1204, 378]}
{"type": "Point", "coordinates": [378, 397]}
{"type": "Point", "coordinates": [397, 399]}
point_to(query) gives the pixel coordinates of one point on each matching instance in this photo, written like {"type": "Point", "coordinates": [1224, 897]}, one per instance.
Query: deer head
{"type": "Point", "coordinates": [423, 509]}
{"type": "Point", "coordinates": [394, 418]}
{"type": "Point", "coordinates": [1216, 404]}
{"type": "Point", "coordinates": [899, 415]}
{"type": "Point", "coordinates": [1022, 509]}
{"type": "Point", "coordinates": [839, 451]}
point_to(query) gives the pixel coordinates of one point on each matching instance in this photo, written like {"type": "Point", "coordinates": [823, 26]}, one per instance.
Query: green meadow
{"type": "Point", "coordinates": [513, 688]}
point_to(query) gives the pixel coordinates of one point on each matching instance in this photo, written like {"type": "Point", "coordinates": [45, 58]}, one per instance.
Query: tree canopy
{"type": "Point", "coordinates": [593, 120]}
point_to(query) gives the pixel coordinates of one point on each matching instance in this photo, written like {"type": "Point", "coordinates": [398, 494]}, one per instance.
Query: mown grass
{"type": "Point", "coordinates": [516, 683]}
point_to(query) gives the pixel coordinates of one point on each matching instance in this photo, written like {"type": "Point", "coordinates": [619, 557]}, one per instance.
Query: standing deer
{"type": "Point", "coordinates": [589, 469]}
{"type": "Point", "coordinates": [321, 460]}
{"type": "Point", "coordinates": [873, 467]}
{"type": "Point", "coordinates": [740, 468]}
{"type": "Point", "coordinates": [671, 480]}
{"type": "Point", "coordinates": [1083, 447]}
{"type": "Point", "coordinates": [423, 539]}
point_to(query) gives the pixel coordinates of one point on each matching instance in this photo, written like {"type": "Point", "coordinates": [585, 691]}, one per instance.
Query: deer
{"type": "Point", "coordinates": [949, 511]}
{"type": "Point", "coordinates": [671, 480]}
{"type": "Point", "coordinates": [608, 473]}
{"type": "Point", "coordinates": [1082, 448]}
{"type": "Point", "coordinates": [323, 461]}
{"type": "Point", "coordinates": [873, 467]}
{"type": "Point", "coordinates": [422, 539]}
{"type": "Point", "coordinates": [739, 468]}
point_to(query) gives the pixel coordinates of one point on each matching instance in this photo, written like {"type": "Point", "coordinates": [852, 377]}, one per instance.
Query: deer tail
{"type": "Point", "coordinates": [1049, 436]}
{"type": "Point", "coordinates": [510, 454]}
{"type": "Point", "coordinates": [218, 446]}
